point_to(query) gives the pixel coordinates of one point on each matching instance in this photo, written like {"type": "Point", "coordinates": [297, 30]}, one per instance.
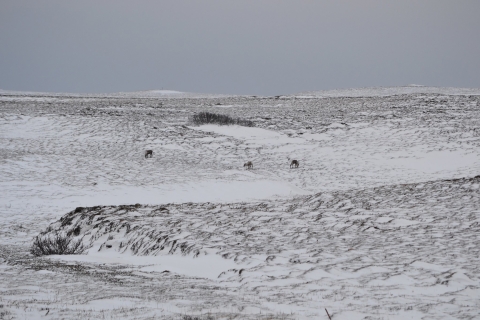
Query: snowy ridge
{"type": "Point", "coordinates": [133, 94]}
{"type": "Point", "coordinates": [387, 91]}
{"type": "Point", "coordinates": [336, 93]}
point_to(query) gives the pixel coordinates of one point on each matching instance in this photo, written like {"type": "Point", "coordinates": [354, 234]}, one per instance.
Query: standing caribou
{"type": "Point", "coordinates": [248, 165]}
{"type": "Point", "coordinates": [294, 164]}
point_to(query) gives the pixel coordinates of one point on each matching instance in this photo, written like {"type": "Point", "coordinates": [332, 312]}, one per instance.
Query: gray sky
{"type": "Point", "coordinates": [263, 47]}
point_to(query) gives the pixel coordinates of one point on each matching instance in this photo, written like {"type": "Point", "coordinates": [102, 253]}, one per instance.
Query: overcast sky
{"type": "Point", "coordinates": [263, 47]}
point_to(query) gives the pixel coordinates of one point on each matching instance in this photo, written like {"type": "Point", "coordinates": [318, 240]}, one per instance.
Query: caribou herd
{"type": "Point", "coordinates": [293, 164]}
{"type": "Point", "coordinates": [247, 165]}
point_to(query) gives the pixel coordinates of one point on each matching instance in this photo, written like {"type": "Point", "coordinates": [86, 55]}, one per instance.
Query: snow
{"type": "Point", "coordinates": [163, 92]}
{"type": "Point", "coordinates": [206, 266]}
{"type": "Point", "coordinates": [209, 191]}
{"type": "Point", "coordinates": [240, 132]}
{"type": "Point", "coordinates": [434, 161]}
{"type": "Point", "coordinates": [380, 220]}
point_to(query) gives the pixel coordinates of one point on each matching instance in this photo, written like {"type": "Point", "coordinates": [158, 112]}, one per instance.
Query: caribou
{"type": "Point", "coordinates": [294, 163]}
{"type": "Point", "coordinates": [248, 165]}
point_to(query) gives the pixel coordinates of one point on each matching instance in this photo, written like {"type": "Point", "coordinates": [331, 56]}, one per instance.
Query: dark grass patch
{"type": "Point", "coordinates": [187, 317]}
{"type": "Point", "coordinates": [220, 119]}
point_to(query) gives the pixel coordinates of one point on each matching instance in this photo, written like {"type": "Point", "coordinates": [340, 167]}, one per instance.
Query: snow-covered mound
{"type": "Point", "coordinates": [392, 241]}
{"type": "Point", "coordinates": [160, 92]}
{"type": "Point", "coordinates": [164, 94]}
{"type": "Point", "coordinates": [387, 91]}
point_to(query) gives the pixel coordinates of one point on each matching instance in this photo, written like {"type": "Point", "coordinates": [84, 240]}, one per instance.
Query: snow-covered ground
{"type": "Point", "coordinates": [380, 221]}
{"type": "Point", "coordinates": [388, 91]}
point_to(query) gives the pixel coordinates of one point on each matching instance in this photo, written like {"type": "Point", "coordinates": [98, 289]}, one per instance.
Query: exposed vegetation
{"type": "Point", "coordinates": [220, 119]}
{"type": "Point", "coordinates": [58, 243]}
{"type": "Point", "coordinates": [187, 317]}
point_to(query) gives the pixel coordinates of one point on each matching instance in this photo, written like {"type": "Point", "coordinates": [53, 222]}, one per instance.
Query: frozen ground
{"type": "Point", "coordinates": [381, 220]}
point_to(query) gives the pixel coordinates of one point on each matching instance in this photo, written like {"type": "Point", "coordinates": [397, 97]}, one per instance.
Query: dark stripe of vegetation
{"type": "Point", "coordinates": [220, 119]}
{"type": "Point", "coordinates": [187, 317]}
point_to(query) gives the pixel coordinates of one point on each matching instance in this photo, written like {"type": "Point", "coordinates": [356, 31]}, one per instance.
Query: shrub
{"type": "Point", "coordinates": [57, 243]}
{"type": "Point", "coordinates": [187, 317]}
{"type": "Point", "coordinates": [221, 119]}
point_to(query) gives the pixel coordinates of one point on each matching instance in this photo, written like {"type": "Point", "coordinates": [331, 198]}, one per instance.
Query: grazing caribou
{"type": "Point", "coordinates": [248, 165]}
{"type": "Point", "coordinates": [294, 163]}
{"type": "Point", "coordinates": [148, 153]}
